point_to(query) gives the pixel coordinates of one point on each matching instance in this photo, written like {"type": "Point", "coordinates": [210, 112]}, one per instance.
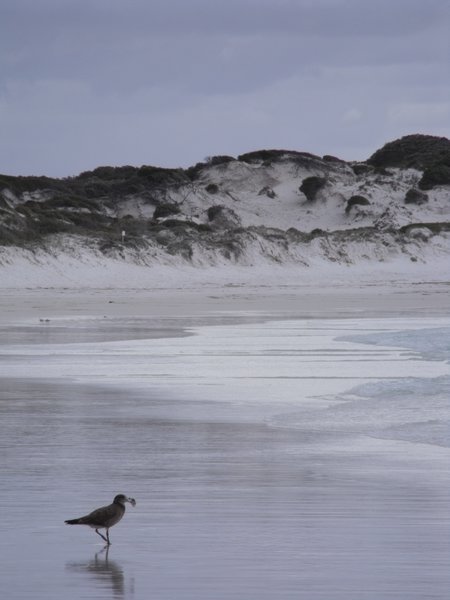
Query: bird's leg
{"type": "Point", "coordinates": [102, 536]}
{"type": "Point", "coordinates": [107, 535]}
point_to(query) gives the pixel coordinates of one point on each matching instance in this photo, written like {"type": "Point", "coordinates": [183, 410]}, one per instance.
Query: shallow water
{"type": "Point", "coordinates": [255, 476]}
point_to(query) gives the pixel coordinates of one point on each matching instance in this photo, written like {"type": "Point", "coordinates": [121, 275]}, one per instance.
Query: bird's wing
{"type": "Point", "coordinates": [100, 515]}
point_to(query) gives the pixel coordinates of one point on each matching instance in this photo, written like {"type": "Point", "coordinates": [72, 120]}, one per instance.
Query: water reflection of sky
{"type": "Point", "coordinates": [273, 490]}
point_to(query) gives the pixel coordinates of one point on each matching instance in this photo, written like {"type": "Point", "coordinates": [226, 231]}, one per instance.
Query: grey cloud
{"type": "Point", "coordinates": [322, 17]}
{"type": "Point", "coordinates": [166, 39]}
{"type": "Point", "coordinates": [208, 64]}
{"type": "Point", "coordinates": [172, 81]}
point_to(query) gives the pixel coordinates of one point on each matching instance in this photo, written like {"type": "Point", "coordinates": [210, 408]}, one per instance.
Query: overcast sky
{"type": "Point", "coordinates": [85, 83]}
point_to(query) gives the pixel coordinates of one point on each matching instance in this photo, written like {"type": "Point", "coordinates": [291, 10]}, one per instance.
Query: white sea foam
{"type": "Point", "coordinates": [329, 376]}
{"type": "Point", "coordinates": [414, 409]}
{"type": "Point", "coordinates": [409, 407]}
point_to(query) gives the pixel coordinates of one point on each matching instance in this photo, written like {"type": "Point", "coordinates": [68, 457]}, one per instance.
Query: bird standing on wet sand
{"type": "Point", "coordinates": [105, 517]}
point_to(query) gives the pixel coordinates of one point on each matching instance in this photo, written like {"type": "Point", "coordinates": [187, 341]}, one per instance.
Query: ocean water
{"type": "Point", "coordinates": [410, 408]}
{"type": "Point", "coordinates": [300, 459]}
{"type": "Point", "coordinates": [415, 409]}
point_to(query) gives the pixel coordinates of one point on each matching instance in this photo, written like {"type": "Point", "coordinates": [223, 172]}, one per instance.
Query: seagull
{"type": "Point", "coordinates": [105, 517]}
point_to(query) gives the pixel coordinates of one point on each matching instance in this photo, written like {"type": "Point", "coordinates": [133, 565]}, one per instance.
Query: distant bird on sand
{"type": "Point", "coordinates": [105, 517]}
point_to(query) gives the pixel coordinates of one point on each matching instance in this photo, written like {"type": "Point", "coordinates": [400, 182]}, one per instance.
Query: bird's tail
{"type": "Point", "coordinates": [73, 522]}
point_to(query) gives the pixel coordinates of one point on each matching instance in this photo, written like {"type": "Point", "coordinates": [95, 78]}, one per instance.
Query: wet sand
{"type": "Point", "coordinates": [216, 304]}
{"type": "Point", "coordinates": [229, 505]}
{"type": "Point", "coordinates": [224, 509]}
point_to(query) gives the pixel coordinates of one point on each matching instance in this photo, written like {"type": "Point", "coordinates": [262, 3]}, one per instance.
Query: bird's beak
{"type": "Point", "coordinates": [132, 501]}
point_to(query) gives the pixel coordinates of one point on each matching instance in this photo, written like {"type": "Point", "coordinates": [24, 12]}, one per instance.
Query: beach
{"type": "Point", "coordinates": [281, 441]}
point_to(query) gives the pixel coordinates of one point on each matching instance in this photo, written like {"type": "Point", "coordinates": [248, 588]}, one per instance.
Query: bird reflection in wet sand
{"type": "Point", "coordinates": [108, 573]}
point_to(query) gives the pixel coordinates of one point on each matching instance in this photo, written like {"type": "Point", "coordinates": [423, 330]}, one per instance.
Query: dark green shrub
{"type": "Point", "coordinates": [166, 210]}
{"type": "Point", "coordinates": [361, 169]}
{"type": "Point", "coordinates": [219, 160]}
{"type": "Point", "coordinates": [96, 189]}
{"type": "Point", "coordinates": [262, 155]}
{"type": "Point", "coordinates": [437, 174]}
{"type": "Point", "coordinates": [109, 173]}
{"type": "Point", "coordinates": [356, 201]}
{"type": "Point", "coordinates": [214, 211]}
{"type": "Point", "coordinates": [131, 226]}
{"type": "Point", "coordinates": [49, 225]}
{"type": "Point", "coordinates": [332, 159]}
{"type": "Point", "coordinates": [311, 185]}
{"type": "Point", "coordinates": [212, 188]}
{"type": "Point", "coordinates": [436, 228]}
{"type": "Point", "coordinates": [414, 196]}
{"type": "Point", "coordinates": [127, 186]}
{"type": "Point", "coordinates": [317, 232]}
{"type": "Point", "coordinates": [29, 184]}
{"type": "Point", "coordinates": [67, 202]}
{"type": "Point", "coordinates": [158, 176]}
{"type": "Point", "coordinates": [192, 173]}
{"type": "Point", "coordinates": [203, 227]}
{"type": "Point", "coordinates": [183, 225]}
{"type": "Point", "coordinates": [269, 156]}
{"type": "Point", "coordinates": [381, 171]}
{"type": "Point", "coordinates": [86, 221]}
{"type": "Point", "coordinates": [412, 151]}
